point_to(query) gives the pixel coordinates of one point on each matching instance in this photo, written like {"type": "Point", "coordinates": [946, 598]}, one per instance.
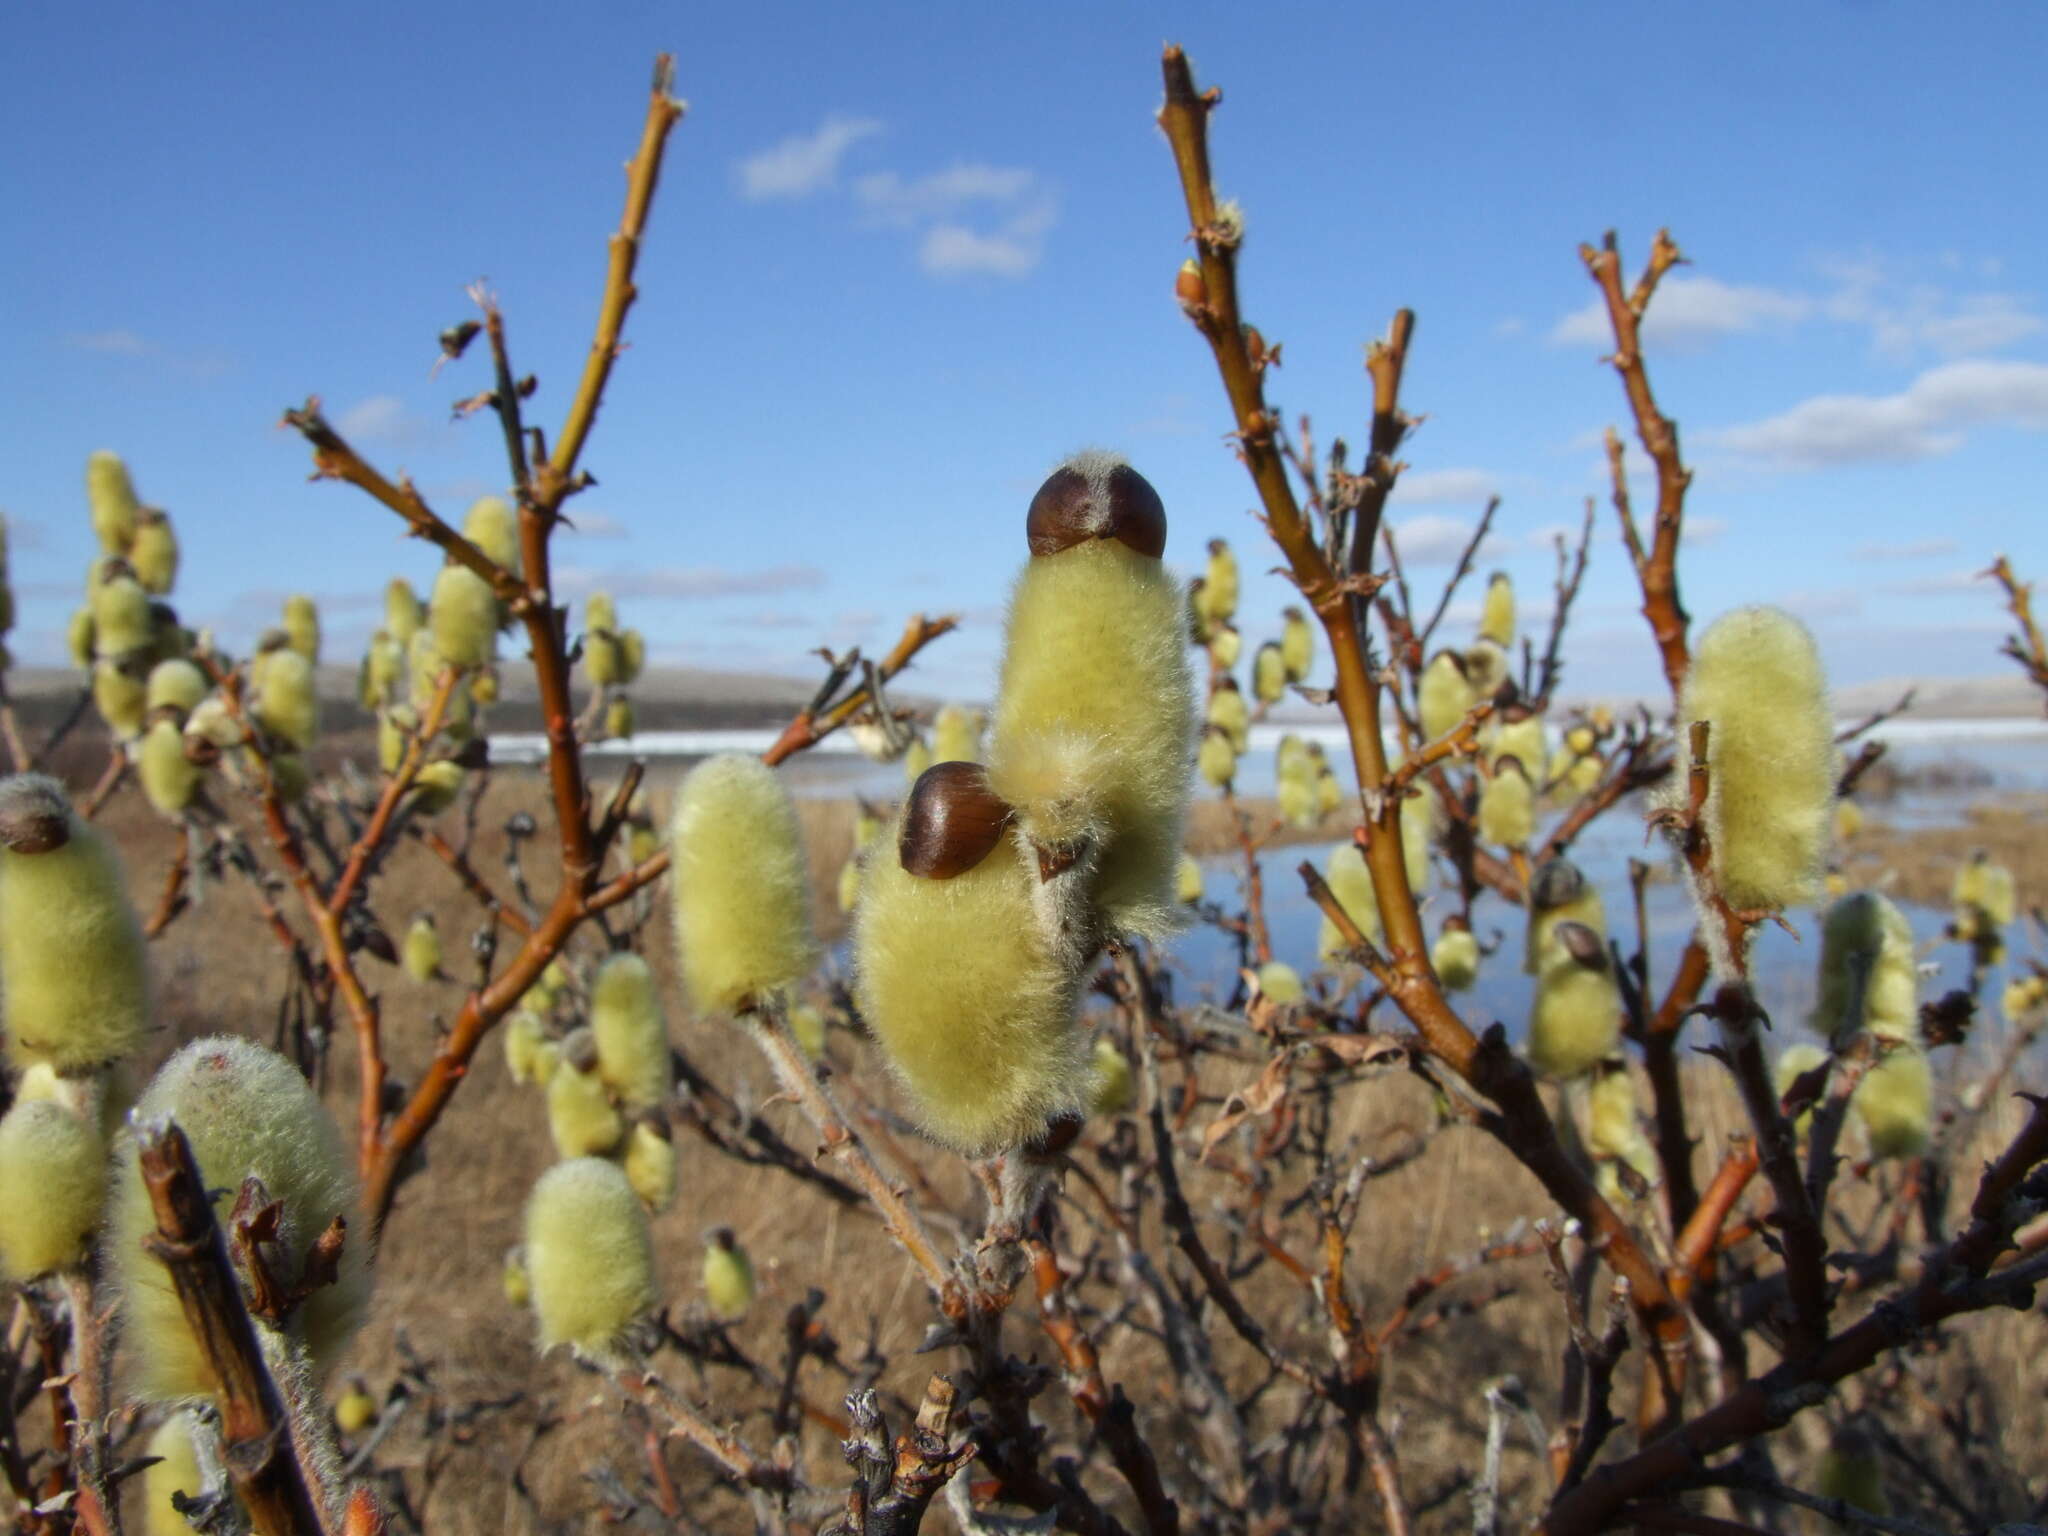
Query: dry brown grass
{"type": "Point", "coordinates": [438, 1277]}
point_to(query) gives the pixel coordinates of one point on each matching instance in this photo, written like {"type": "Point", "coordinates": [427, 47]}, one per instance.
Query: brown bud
{"type": "Point", "coordinates": [1557, 882]}
{"type": "Point", "coordinates": [1054, 1139]}
{"type": "Point", "coordinates": [1582, 944]}
{"type": "Point", "coordinates": [34, 814]}
{"type": "Point", "coordinates": [1189, 286]}
{"type": "Point", "coordinates": [951, 822]}
{"type": "Point", "coordinates": [1094, 497]}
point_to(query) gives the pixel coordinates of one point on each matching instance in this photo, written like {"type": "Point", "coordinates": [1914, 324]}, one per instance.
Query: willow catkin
{"type": "Point", "coordinates": [53, 1179]}
{"type": "Point", "coordinates": [1756, 679]}
{"type": "Point", "coordinates": [287, 703]}
{"type": "Point", "coordinates": [1225, 646]}
{"type": "Point", "coordinates": [1507, 806]}
{"type": "Point", "coordinates": [1444, 694]}
{"type": "Point", "coordinates": [493, 527]}
{"type": "Point", "coordinates": [245, 1110]}
{"type": "Point", "coordinates": [1575, 1019]}
{"type": "Point", "coordinates": [1094, 710]}
{"type": "Point", "coordinates": [742, 901]}
{"type": "Point", "coordinates": [649, 1160]}
{"type": "Point", "coordinates": [1497, 611]}
{"type": "Point", "coordinates": [1111, 1088]}
{"type": "Point", "coordinates": [1518, 733]}
{"type": "Point", "coordinates": [176, 684]}
{"type": "Point", "coordinates": [75, 978]}
{"type": "Point", "coordinates": [524, 1033]}
{"type": "Point", "coordinates": [970, 998]}
{"type": "Point", "coordinates": [1269, 674]}
{"type": "Point", "coordinates": [302, 626]}
{"type": "Point", "coordinates": [170, 780]}
{"type": "Point", "coordinates": [1297, 644]}
{"type": "Point", "coordinates": [1280, 983]}
{"type": "Point", "coordinates": [153, 552]}
{"type": "Point", "coordinates": [121, 698]}
{"type": "Point", "coordinates": [1219, 583]}
{"type": "Point", "coordinates": [728, 1276]}
{"type": "Point", "coordinates": [1614, 1130]}
{"type": "Point", "coordinates": [1351, 883]}
{"type": "Point", "coordinates": [420, 951]}
{"type": "Point", "coordinates": [111, 496]}
{"type": "Point", "coordinates": [403, 614]}
{"type": "Point", "coordinates": [589, 1257]}
{"type": "Point", "coordinates": [1228, 713]}
{"type": "Point", "coordinates": [1868, 977]}
{"type": "Point", "coordinates": [462, 616]}
{"type": "Point", "coordinates": [1188, 884]}
{"type": "Point", "coordinates": [1216, 759]}
{"type": "Point", "coordinates": [122, 624]}
{"type": "Point", "coordinates": [956, 735]}
{"type": "Point", "coordinates": [1794, 1062]}
{"type": "Point", "coordinates": [1559, 892]}
{"type": "Point", "coordinates": [632, 1039]}
{"type": "Point", "coordinates": [1895, 1101]}
{"type": "Point", "coordinates": [582, 1119]}
{"type": "Point", "coordinates": [1455, 957]}
{"type": "Point", "coordinates": [175, 1470]}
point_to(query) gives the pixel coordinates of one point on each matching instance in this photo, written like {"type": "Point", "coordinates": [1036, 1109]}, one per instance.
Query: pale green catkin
{"type": "Point", "coordinates": [1866, 955]}
{"type": "Point", "coordinates": [111, 495]}
{"type": "Point", "coordinates": [493, 527]}
{"type": "Point", "coordinates": [1756, 677]}
{"type": "Point", "coordinates": [462, 616]}
{"type": "Point", "coordinates": [53, 1181]}
{"type": "Point", "coordinates": [589, 1257]}
{"type": "Point", "coordinates": [72, 960]}
{"type": "Point", "coordinates": [245, 1110]}
{"type": "Point", "coordinates": [632, 1041]}
{"type": "Point", "coordinates": [742, 900]}
{"type": "Point", "coordinates": [302, 626]}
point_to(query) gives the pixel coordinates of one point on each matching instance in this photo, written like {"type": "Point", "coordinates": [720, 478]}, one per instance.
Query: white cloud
{"type": "Point", "coordinates": [1910, 549]}
{"type": "Point", "coordinates": [1428, 487]}
{"type": "Point", "coordinates": [889, 197]}
{"type": "Point", "coordinates": [597, 525]}
{"type": "Point", "coordinates": [1822, 602]}
{"type": "Point", "coordinates": [1688, 310]}
{"type": "Point", "coordinates": [379, 419]}
{"type": "Point", "coordinates": [1924, 420]}
{"type": "Point", "coordinates": [116, 343]}
{"type": "Point", "coordinates": [1012, 249]}
{"type": "Point", "coordinates": [1939, 584]}
{"type": "Point", "coordinates": [804, 162]}
{"type": "Point", "coordinates": [1904, 318]}
{"type": "Point", "coordinates": [687, 581]}
{"type": "Point", "coordinates": [1436, 538]}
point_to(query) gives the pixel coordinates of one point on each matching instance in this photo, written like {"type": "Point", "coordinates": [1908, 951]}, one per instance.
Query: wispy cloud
{"type": "Point", "coordinates": [1012, 249]}
{"type": "Point", "coordinates": [1689, 310]}
{"type": "Point", "coordinates": [895, 200]}
{"type": "Point", "coordinates": [1938, 584]}
{"type": "Point", "coordinates": [597, 525]}
{"type": "Point", "coordinates": [803, 163]}
{"type": "Point", "coordinates": [1437, 538]}
{"type": "Point", "coordinates": [114, 343]}
{"type": "Point", "coordinates": [1928, 418]}
{"type": "Point", "coordinates": [970, 218]}
{"type": "Point", "coordinates": [1430, 487]}
{"type": "Point", "coordinates": [1905, 317]}
{"type": "Point", "coordinates": [688, 581]}
{"type": "Point", "coordinates": [1910, 549]}
{"type": "Point", "coordinates": [384, 421]}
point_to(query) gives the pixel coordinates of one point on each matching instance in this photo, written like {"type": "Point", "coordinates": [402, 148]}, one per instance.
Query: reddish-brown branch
{"type": "Point", "coordinates": [807, 730]}
{"type": "Point", "coordinates": [474, 883]}
{"type": "Point", "coordinates": [1699, 1238]}
{"type": "Point", "coordinates": [2026, 647]}
{"type": "Point", "coordinates": [172, 900]}
{"type": "Point", "coordinates": [103, 788]}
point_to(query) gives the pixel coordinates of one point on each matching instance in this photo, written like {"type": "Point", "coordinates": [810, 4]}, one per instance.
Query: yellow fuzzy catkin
{"type": "Point", "coordinates": [728, 1277]}
{"type": "Point", "coordinates": [600, 612]}
{"type": "Point", "coordinates": [111, 495]}
{"type": "Point", "coordinates": [1111, 1089]}
{"type": "Point", "coordinates": [1297, 644]}
{"type": "Point", "coordinates": [1614, 1131]}
{"type": "Point", "coordinates": [72, 966]}
{"type": "Point", "coordinates": [916, 758]}
{"type": "Point", "coordinates": [382, 666]}
{"type": "Point", "coordinates": [1851, 1470]}
{"type": "Point", "coordinates": [81, 637]}
{"type": "Point", "coordinates": [742, 904]}
{"type": "Point", "coordinates": [493, 527]}
{"type": "Point", "coordinates": [1228, 713]}
{"type": "Point", "coordinates": [1280, 983]}
{"type": "Point", "coordinates": [1559, 892]}
{"type": "Point", "coordinates": [1455, 959]}
{"type": "Point", "coordinates": [302, 626]}
{"type": "Point", "coordinates": [582, 1119]}
{"type": "Point", "coordinates": [1756, 676]}
{"type": "Point", "coordinates": [287, 702]}
{"type": "Point", "coordinates": [420, 951]}
{"type": "Point", "coordinates": [1895, 1102]}
{"type": "Point", "coordinates": [1095, 670]}
{"type": "Point", "coordinates": [403, 615]}
{"type": "Point", "coordinates": [121, 698]}
{"type": "Point", "coordinates": [1848, 820]}
{"type": "Point", "coordinates": [1269, 674]}
{"type": "Point", "coordinates": [1575, 1019]}
{"type": "Point", "coordinates": [176, 1471]}
{"type": "Point", "coordinates": [1216, 761]}
{"type": "Point", "coordinates": [1497, 611]}
{"type": "Point", "coordinates": [1489, 668]}
{"type": "Point", "coordinates": [589, 1257]}
{"type": "Point", "coordinates": [972, 1001]}
{"type": "Point", "coordinates": [603, 662]}
{"type": "Point", "coordinates": [1866, 946]}
{"type": "Point", "coordinates": [1507, 806]}
{"type": "Point", "coordinates": [169, 778]}
{"type": "Point", "coordinates": [176, 684]}
{"type": "Point", "coordinates": [632, 1040]}
{"type": "Point", "coordinates": [1419, 822]}
{"type": "Point", "coordinates": [1219, 583]}
{"type": "Point", "coordinates": [462, 617]}
{"type": "Point", "coordinates": [956, 735]}
{"type": "Point", "coordinates": [53, 1179]}
{"type": "Point", "coordinates": [245, 1110]}
{"type": "Point", "coordinates": [121, 620]}
{"type": "Point", "coordinates": [1794, 1062]}
{"type": "Point", "coordinates": [619, 719]}
{"type": "Point", "coordinates": [154, 552]}
{"type": "Point", "coordinates": [524, 1033]}
{"type": "Point", "coordinates": [1188, 884]}
{"type": "Point", "coordinates": [849, 884]}
{"type": "Point", "coordinates": [650, 1162]}
{"type": "Point", "coordinates": [1295, 796]}
{"type": "Point", "coordinates": [1983, 891]}
{"type": "Point", "coordinates": [1521, 738]}
{"type": "Point", "coordinates": [1351, 882]}
{"type": "Point", "coordinates": [1225, 646]}
{"type": "Point", "coordinates": [1444, 695]}
{"type": "Point", "coordinates": [513, 1279]}
{"type": "Point", "coordinates": [808, 1025]}
{"type": "Point", "coordinates": [355, 1409]}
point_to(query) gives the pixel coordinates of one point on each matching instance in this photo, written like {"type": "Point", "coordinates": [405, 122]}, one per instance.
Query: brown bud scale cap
{"type": "Point", "coordinates": [951, 822]}
{"type": "Point", "coordinates": [35, 815]}
{"type": "Point", "coordinates": [1583, 945]}
{"type": "Point", "coordinates": [1095, 497]}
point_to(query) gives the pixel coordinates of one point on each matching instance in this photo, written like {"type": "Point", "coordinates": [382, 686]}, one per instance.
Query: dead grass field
{"type": "Point", "coordinates": [497, 1411]}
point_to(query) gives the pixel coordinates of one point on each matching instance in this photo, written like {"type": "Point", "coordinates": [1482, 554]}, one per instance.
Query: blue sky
{"type": "Point", "coordinates": [906, 257]}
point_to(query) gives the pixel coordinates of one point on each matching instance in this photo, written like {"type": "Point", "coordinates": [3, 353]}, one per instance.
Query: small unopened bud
{"type": "Point", "coordinates": [951, 821]}
{"type": "Point", "coordinates": [1189, 286]}
{"type": "Point", "coordinates": [355, 1410]}
{"type": "Point", "coordinates": [728, 1276]}
{"type": "Point", "coordinates": [421, 951]}
{"type": "Point", "coordinates": [1096, 496]}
